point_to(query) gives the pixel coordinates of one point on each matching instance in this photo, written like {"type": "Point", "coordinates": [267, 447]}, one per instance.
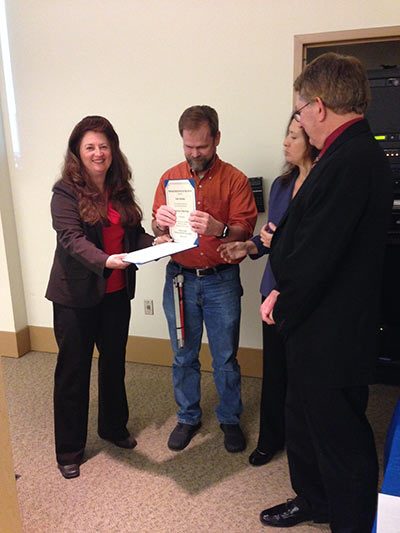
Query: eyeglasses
{"type": "Point", "coordinates": [296, 114]}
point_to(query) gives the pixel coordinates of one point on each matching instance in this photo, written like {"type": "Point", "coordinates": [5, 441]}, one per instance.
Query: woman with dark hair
{"type": "Point", "coordinates": [97, 221]}
{"type": "Point", "coordinates": [299, 155]}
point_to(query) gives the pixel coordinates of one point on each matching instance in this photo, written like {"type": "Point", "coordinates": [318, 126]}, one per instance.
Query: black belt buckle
{"type": "Point", "coordinates": [202, 272]}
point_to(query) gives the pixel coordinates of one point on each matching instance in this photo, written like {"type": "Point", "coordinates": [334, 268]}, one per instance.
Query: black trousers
{"type": "Point", "coordinates": [332, 456]}
{"type": "Point", "coordinates": [273, 392]}
{"type": "Point", "coordinates": [77, 331]}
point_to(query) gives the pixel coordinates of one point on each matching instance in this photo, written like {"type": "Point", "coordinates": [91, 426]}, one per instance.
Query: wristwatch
{"type": "Point", "coordinates": [225, 232]}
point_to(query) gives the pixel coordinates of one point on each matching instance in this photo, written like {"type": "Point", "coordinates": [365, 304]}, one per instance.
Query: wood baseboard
{"type": "Point", "coordinates": [158, 352]}
{"type": "Point", "coordinates": [15, 344]}
{"type": "Point", "coordinates": [42, 339]}
{"type": "Point", "coordinates": [145, 350]}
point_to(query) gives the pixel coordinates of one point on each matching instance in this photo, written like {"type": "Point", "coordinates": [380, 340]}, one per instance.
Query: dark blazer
{"type": "Point", "coordinates": [280, 196]}
{"type": "Point", "coordinates": [327, 257]}
{"type": "Point", "coordinates": [78, 275]}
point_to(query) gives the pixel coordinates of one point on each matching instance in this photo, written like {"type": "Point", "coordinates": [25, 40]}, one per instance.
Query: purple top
{"type": "Point", "coordinates": [279, 199]}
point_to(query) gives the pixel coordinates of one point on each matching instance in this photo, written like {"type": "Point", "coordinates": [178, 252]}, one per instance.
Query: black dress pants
{"type": "Point", "coordinates": [332, 456]}
{"type": "Point", "coordinates": [273, 392]}
{"type": "Point", "coordinates": [77, 330]}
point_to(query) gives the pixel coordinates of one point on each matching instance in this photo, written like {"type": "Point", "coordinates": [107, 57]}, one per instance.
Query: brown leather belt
{"type": "Point", "coordinates": [200, 272]}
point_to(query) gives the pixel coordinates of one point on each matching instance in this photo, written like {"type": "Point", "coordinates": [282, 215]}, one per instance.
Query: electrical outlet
{"type": "Point", "coordinates": [148, 307]}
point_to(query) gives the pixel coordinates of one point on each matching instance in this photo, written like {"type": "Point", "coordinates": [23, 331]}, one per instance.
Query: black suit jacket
{"type": "Point", "coordinates": [327, 257]}
{"type": "Point", "coordinates": [78, 275]}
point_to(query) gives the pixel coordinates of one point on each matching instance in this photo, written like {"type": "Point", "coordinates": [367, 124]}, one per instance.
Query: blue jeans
{"type": "Point", "coordinates": [214, 300]}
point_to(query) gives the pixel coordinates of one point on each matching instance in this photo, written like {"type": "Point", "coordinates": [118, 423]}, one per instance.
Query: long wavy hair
{"type": "Point", "coordinates": [289, 169]}
{"type": "Point", "coordinates": [118, 190]}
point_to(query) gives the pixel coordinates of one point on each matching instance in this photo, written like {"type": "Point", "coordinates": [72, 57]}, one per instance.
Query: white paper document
{"type": "Point", "coordinates": [388, 518]}
{"type": "Point", "coordinates": [180, 195]}
{"type": "Point", "coordinates": [152, 253]}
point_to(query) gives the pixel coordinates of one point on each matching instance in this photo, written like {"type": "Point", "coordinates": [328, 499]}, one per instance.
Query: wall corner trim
{"type": "Point", "coordinates": [145, 350]}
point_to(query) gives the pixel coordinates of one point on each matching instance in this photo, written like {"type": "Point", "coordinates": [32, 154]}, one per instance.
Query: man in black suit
{"type": "Point", "coordinates": [327, 256]}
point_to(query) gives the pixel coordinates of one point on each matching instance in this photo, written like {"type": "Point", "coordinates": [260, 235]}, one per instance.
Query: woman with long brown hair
{"type": "Point", "coordinates": [97, 221]}
{"type": "Point", "coordinates": [299, 155]}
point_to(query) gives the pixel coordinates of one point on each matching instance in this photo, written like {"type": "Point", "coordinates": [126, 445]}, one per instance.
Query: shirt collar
{"type": "Point", "coordinates": [335, 134]}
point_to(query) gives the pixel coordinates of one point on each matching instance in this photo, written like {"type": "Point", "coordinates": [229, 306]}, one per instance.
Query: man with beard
{"type": "Point", "coordinates": [226, 211]}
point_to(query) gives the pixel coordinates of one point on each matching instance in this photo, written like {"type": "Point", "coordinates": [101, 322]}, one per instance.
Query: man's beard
{"type": "Point", "coordinates": [199, 164]}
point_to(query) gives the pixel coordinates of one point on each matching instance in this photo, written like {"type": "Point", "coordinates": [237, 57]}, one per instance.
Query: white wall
{"type": "Point", "coordinates": [6, 310]}
{"type": "Point", "coordinates": [140, 63]}
{"type": "Point", "coordinates": [6, 307]}
{"type": "Point", "coordinates": [12, 301]}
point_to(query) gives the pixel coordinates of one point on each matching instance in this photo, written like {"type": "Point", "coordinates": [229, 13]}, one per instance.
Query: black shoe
{"type": "Point", "coordinates": [286, 514]}
{"type": "Point", "coordinates": [181, 435]}
{"type": "Point", "coordinates": [234, 439]}
{"type": "Point", "coordinates": [129, 443]}
{"type": "Point", "coordinates": [259, 458]}
{"type": "Point", "coordinates": [69, 471]}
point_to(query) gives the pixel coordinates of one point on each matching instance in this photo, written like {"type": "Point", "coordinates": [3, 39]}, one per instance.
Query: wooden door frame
{"type": "Point", "coordinates": [10, 517]}
{"type": "Point", "coordinates": [368, 35]}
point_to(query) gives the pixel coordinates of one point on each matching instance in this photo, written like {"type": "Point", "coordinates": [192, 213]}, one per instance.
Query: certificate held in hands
{"type": "Point", "coordinates": [180, 195]}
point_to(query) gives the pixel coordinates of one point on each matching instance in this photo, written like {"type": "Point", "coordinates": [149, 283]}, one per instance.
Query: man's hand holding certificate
{"type": "Point", "coordinates": [181, 202]}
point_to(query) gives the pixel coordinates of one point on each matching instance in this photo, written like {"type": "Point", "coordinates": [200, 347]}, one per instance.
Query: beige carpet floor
{"type": "Point", "coordinates": [148, 489]}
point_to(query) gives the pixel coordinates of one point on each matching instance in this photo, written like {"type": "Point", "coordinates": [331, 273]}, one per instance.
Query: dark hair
{"type": "Point", "coordinates": [92, 204]}
{"type": "Point", "coordinates": [340, 81]}
{"type": "Point", "coordinates": [193, 117]}
{"type": "Point", "coordinates": [289, 169]}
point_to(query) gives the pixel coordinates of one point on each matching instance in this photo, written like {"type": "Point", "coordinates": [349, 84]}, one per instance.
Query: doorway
{"type": "Point", "coordinates": [373, 46]}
